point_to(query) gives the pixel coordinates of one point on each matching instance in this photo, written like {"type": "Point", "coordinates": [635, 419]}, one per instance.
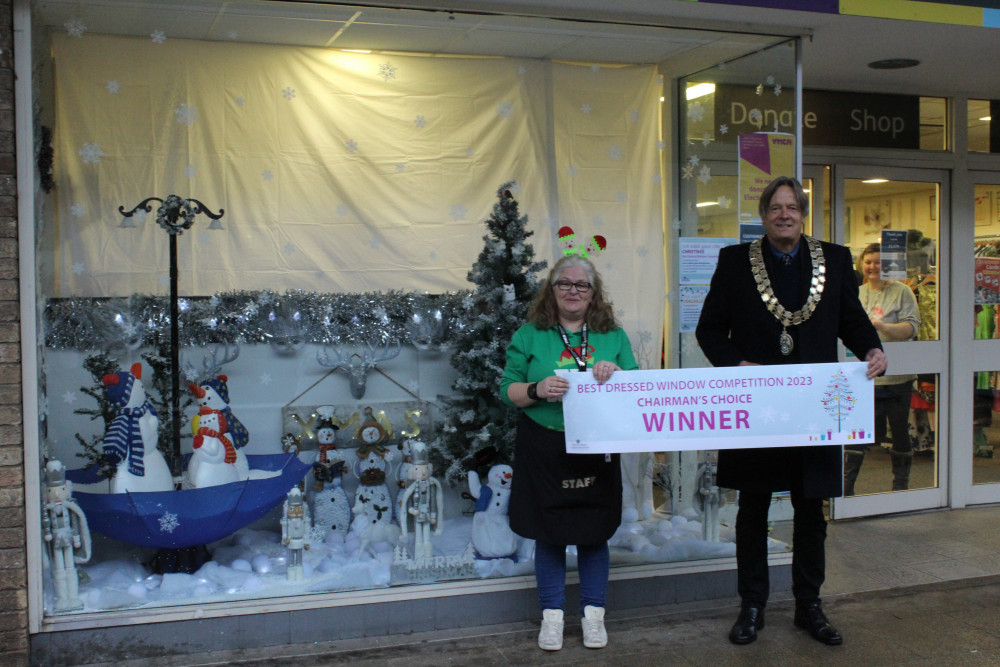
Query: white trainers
{"type": "Point", "coordinates": [550, 638]}
{"type": "Point", "coordinates": [594, 633]}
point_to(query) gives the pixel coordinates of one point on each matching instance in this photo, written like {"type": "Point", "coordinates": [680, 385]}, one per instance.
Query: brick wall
{"type": "Point", "coordinates": [13, 571]}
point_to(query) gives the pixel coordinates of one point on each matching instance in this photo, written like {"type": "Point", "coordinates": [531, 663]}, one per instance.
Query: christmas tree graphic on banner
{"type": "Point", "coordinates": [838, 399]}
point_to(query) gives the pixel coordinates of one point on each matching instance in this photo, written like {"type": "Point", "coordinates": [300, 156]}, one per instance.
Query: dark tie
{"type": "Point", "coordinates": [786, 259]}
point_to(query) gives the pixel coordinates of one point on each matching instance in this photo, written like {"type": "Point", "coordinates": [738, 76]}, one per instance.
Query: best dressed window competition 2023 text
{"type": "Point", "coordinates": [738, 407]}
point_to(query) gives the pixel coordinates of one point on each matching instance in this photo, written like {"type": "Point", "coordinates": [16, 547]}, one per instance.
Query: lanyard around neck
{"type": "Point", "coordinates": [581, 362]}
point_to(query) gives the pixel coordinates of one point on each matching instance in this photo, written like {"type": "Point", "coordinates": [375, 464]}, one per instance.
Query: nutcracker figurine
{"type": "Point", "coordinates": [423, 501]}
{"type": "Point", "coordinates": [67, 537]}
{"type": "Point", "coordinates": [295, 525]}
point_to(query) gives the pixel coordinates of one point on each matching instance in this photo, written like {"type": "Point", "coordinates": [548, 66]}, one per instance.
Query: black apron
{"type": "Point", "coordinates": [562, 498]}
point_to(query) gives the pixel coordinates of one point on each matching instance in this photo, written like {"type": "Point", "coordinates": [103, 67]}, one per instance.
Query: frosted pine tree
{"type": "Point", "coordinates": [478, 428]}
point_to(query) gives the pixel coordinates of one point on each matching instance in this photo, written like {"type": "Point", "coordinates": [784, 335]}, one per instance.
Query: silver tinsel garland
{"type": "Point", "coordinates": [286, 320]}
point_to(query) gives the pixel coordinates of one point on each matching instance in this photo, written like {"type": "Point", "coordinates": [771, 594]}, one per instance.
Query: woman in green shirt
{"type": "Point", "coordinates": [558, 499]}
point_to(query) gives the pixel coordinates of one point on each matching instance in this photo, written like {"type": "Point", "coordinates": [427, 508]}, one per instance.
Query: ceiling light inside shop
{"type": "Point", "coordinates": [700, 90]}
{"type": "Point", "coordinates": [702, 204]}
{"type": "Point", "coordinates": [894, 63]}
{"type": "Point", "coordinates": [987, 118]}
{"type": "Point", "coordinates": [876, 180]}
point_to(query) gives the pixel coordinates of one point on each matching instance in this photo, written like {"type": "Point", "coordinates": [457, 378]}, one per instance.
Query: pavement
{"type": "Point", "coordinates": [918, 589]}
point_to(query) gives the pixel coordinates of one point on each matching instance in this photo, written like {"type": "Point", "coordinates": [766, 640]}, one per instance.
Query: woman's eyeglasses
{"type": "Point", "coordinates": [566, 285]}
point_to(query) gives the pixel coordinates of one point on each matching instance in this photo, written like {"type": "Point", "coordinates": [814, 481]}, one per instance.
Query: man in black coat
{"type": "Point", "coordinates": [784, 299]}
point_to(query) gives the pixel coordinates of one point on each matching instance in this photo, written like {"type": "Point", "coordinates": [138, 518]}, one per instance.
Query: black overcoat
{"type": "Point", "coordinates": [735, 325]}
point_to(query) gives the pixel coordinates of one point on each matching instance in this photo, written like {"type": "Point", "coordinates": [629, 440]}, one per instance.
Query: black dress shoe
{"type": "Point", "coordinates": [750, 620]}
{"type": "Point", "coordinates": [811, 617]}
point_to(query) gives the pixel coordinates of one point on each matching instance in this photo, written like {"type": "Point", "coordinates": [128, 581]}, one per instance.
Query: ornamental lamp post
{"type": "Point", "coordinates": [174, 215]}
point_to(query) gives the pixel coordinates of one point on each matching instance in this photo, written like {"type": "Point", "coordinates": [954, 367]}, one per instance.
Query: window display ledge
{"type": "Point", "coordinates": [180, 613]}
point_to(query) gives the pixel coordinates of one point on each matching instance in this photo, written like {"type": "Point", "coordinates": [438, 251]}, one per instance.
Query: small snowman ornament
{"type": "Point", "coordinates": [491, 533]}
{"type": "Point", "coordinates": [214, 394]}
{"type": "Point", "coordinates": [214, 459]}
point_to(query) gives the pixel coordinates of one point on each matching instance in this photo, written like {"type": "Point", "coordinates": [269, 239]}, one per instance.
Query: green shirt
{"type": "Point", "coordinates": [534, 354]}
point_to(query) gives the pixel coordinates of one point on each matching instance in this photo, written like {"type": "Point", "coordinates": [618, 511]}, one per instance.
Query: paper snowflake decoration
{"type": "Point", "coordinates": [706, 139]}
{"type": "Point", "coordinates": [687, 172]}
{"type": "Point", "coordinates": [190, 171]}
{"type": "Point", "coordinates": [91, 153]}
{"type": "Point", "coordinates": [469, 152]}
{"type": "Point", "coordinates": [386, 71]}
{"type": "Point", "coordinates": [522, 70]}
{"type": "Point", "coordinates": [420, 122]}
{"type": "Point", "coordinates": [233, 35]}
{"type": "Point", "coordinates": [267, 175]}
{"type": "Point", "coordinates": [595, 68]}
{"type": "Point", "coordinates": [642, 251]}
{"type": "Point", "coordinates": [616, 153]}
{"type": "Point", "coordinates": [458, 212]}
{"type": "Point", "coordinates": [660, 144]}
{"type": "Point", "coordinates": [69, 398]}
{"type": "Point", "coordinates": [77, 210]}
{"type": "Point", "coordinates": [505, 109]}
{"type": "Point", "coordinates": [769, 80]}
{"type": "Point", "coordinates": [777, 90]}
{"type": "Point", "coordinates": [113, 87]}
{"type": "Point", "coordinates": [724, 201]}
{"type": "Point", "coordinates": [586, 109]}
{"type": "Point", "coordinates": [351, 145]}
{"type": "Point", "coordinates": [375, 243]}
{"type": "Point", "coordinates": [169, 522]}
{"type": "Point", "coordinates": [723, 129]}
{"type": "Point", "coordinates": [342, 210]}
{"type": "Point", "coordinates": [572, 170]}
{"type": "Point", "coordinates": [186, 115]}
{"type": "Point", "coordinates": [240, 101]}
{"type": "Point", "coordinates": [695, 112]}
{"type": "Point", "coordinates": [400, 167]}
{"type": "Point", "coordinates": [657, 177]}
{"type": "Point", "coordinates": [289, 248]}
{"type": "Point", "coordinates": [75, 27]}
{"type": "Point", "coordinates": [158, 36]}
{"type": "Point", "coordinates": [633, 115]}
{"type": "Point", "coordinates": [705, 173]}
{"type": "Point", "coordinates": [288, 93]}
{"type": "Point", "coordinates": [78, 268]}
{"type": "Point", "coordinates": [621, 197]}
{"type": "Point", "coordinates": [694, 160]}
{"type": "Point", "coordinates": [163, 280]}
{"type": "Point", "coordinates": [756, 117]}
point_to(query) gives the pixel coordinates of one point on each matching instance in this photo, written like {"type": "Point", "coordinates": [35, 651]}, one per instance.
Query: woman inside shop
{"type": "Point", "coordinates": [893, 311]}
{"type": "Point", "coordinates": [558, 499]}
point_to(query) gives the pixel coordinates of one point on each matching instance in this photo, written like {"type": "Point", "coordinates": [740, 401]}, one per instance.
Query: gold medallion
{"type": "Point", "coordinates": [786, 318]}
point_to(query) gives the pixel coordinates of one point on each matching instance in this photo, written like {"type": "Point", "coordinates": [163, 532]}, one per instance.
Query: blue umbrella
{"type": "Point", "coordinates": [186, 518]}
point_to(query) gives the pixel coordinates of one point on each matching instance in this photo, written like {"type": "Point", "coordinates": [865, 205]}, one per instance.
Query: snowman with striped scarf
{"type": "Point", "coordinates": [130, 441]}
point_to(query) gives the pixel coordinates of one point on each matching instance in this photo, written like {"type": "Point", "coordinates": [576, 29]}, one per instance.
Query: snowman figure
{"type": "Point", "coordinates": [372, 470]}
{"type": "Point", "coordinates": [214, 459]}
{"type": "Point", "coordinates": [491, 533]}
{"type": "Point", "coordinates": [331, 510]}
{"type": "Point", "coordinates": [214, 394]}
{"type": "Point", "coordinates": [130, 441]}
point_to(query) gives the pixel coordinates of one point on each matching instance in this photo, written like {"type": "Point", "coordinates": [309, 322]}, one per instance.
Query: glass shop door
{"type": "Point", "coordinates": [904, 210]}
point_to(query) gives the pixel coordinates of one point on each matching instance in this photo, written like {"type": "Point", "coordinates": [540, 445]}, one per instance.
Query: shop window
{"type": "Point", "coordinates": [313, 214]}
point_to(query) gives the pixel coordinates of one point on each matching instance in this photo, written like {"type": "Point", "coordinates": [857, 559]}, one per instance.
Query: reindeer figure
{"type": "Point", "coordinates": [357, 365]}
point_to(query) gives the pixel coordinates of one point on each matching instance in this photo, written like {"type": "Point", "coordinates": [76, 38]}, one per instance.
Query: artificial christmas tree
{"type": "Point", "coordinates": [478, 428]}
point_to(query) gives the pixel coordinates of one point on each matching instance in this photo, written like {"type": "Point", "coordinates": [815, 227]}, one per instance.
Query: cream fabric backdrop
{"type": "Point", "coordinates": [344, 172]}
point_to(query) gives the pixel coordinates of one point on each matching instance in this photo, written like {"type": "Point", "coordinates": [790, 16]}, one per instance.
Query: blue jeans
{"type": "Point", "coordinates": [593, 565]}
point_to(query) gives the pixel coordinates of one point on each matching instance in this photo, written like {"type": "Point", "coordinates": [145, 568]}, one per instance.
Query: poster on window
{"type": "Point", "coordinates": [763, 157]}
{"type": "Point", "coordinates": [987, 280]}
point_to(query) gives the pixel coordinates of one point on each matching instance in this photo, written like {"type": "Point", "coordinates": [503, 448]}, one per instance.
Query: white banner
{"type": "Point", "coordinates": [735, 407]}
